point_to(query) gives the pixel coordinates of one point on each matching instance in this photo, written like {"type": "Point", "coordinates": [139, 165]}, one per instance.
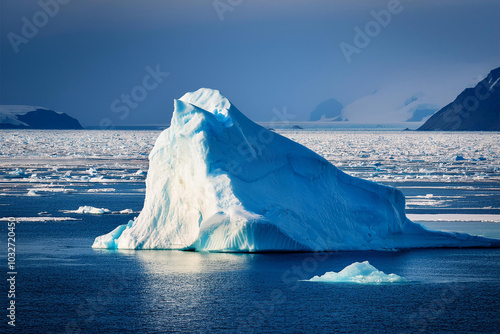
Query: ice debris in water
{"type": "Point", "coordinates": [92, 171]}
{"type": "Point", "coordinates": [98, 211]}
{"type": "Point", "coordinates": [359, 272]}
{"type": "Point", "coordinates": [17, 173]}
{"type": "Point", "coordinates": [32, 193]}
{"type": "Point", "coordinates": [89, 210]}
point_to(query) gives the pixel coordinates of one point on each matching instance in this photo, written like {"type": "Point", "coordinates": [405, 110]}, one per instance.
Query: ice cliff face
{"type": "Point", "coordinates": [219, 182]}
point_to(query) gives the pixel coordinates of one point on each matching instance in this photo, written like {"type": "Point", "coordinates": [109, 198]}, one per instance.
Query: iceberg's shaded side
{"type": "Point", "coordinates": [219, 182]}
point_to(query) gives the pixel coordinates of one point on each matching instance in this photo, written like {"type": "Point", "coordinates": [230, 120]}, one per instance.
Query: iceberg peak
{"type": "Point", "coordinates": [207, 99]}
{"type": "Point", "coordinates": [219, 182]}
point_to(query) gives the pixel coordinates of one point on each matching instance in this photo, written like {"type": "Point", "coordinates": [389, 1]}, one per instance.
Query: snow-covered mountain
{"type": "Point", "coordinates": [31, 117]}
{"type": "Point", "coordinates": [407, 99]}
{"type": "Point", "coordinates": [383, 106]}
{"type": "Point", "coordinates": [391, 105]}
{"type": "Point", "coordinates": [219, 182]}
{"type": "Point", "coordinates": [475, 109]}
{"type": "Point", "coordinates": [328, 110]}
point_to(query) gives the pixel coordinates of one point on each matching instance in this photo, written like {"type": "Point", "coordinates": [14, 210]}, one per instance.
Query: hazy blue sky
{"type": "Point", "coordinates": [261, 54]}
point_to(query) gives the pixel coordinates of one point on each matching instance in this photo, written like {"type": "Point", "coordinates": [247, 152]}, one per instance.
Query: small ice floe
{"type": "Point", "coordinates": [451, 217]}
{"type": "Point", "coordinates": [359, 272]}
{"type": "Point", "coordinates": [102, 190]}
{"type": "Point", "coordinates": [98, 178]}
{"type": "Point", "coordinates": [140, 172]}
{"type": "Point", "coordinates": [89, 210]}
{"type": "Point", "coordinates": [17, 173]}
{"type": "Point", "coordinates": [98, 211]}
{"type": "Point", "coordinates": [52, 190]}
{"type": "Point", "coordinates": [124, 212]}
{"type": "Point", "coordinates": [37, 219]}
{"type": "Point", "coordinates": [91, 171]}
{"type": "Point", "coordinates": [32, 193]}
{"type": "Point", "coordinates": [425, 202]}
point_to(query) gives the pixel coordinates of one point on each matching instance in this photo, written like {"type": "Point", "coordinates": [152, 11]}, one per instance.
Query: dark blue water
{"type": "Point", "coordinates": [64, 286]}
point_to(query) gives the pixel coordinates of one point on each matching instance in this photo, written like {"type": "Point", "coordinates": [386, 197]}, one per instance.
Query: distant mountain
{"type": "Point", "coordinates": [391, 105]}
{"type": "Point", "coordinates": [382, 106]}
{"type": "Point", "coordinates": [29, 117]}
{"type": "Point", "coordinates": [328, 110]}
{"type": "Point", "coordinates": [475, 109]}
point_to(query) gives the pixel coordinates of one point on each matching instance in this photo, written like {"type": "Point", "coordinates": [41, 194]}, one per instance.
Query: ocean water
{"type": "Point", "coordinates": [65, 286]}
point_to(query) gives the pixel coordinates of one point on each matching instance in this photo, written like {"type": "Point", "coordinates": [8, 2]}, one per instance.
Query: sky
{"type": "Point", "coordinates": [123, 62]}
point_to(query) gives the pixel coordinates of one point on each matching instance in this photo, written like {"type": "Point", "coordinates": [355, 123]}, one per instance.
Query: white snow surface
{"type": "Point", "coordinates": [359, 272]}
{"type": "Point", "coordinates": [219, 182]}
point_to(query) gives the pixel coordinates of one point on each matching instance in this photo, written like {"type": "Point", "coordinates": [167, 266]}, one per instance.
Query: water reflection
{"type": "Point", "coordinates": [179, 262]}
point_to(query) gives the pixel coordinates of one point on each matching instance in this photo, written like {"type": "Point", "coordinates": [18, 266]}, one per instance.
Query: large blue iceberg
{"type": "Point", "coordinates": [219, 182]}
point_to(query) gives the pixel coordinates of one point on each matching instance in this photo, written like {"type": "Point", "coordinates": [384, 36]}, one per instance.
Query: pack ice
{"type": "Point", "coordinates": [219, 182]}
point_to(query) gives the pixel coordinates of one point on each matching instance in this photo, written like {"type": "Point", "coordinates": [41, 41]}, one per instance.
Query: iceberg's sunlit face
{"type": "Point", "coordinates": [361, 273]}
{"type": "Point", "coordinates": [214, 184]}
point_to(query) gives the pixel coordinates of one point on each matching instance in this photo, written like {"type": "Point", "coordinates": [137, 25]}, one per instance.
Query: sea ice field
{"type": "Point", "coordinates": [65, 188]}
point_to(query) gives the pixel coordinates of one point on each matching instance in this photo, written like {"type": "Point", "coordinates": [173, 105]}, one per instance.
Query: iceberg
{"type": "Point", "coordinates": [359, 272]}
{"type": "Point", "coordinates": [32, 193]}
{"type": "Point", "coordinates": [219, 182]}
{"type": "Point", "coordinates": [86, 209]}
